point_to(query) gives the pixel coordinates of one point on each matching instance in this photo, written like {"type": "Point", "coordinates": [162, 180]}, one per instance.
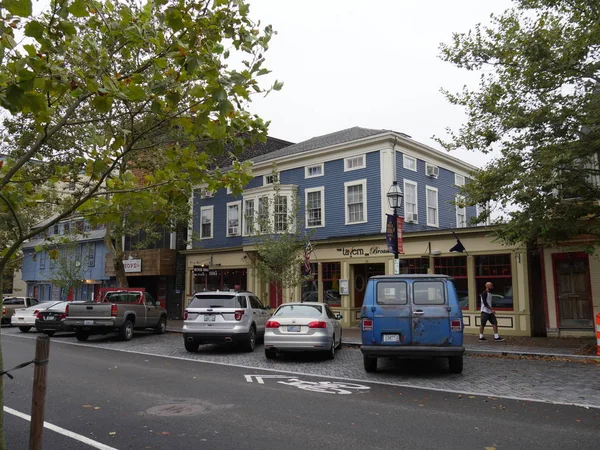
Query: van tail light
{"type": "Point", "coordinates": [113, 310]}
{"type": "Point", "coordinates": [318, 324]}
{"type": "Point", "coordinates": [456, 325]}
{"type": "Point", "coordinates": [238, 314]}
{"type": "Point", "coordinates": [185, 315]}
{"type": "Point", "coordinates": [272, 324]}
{"type": "Point", "coordinates": [367, 324]}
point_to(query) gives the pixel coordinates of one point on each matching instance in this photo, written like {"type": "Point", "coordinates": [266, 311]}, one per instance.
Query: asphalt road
{"type": "Point", "coordinates": [133, 401]}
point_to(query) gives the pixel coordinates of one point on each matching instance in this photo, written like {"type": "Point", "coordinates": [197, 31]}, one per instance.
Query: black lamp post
{"type": "Point", "coordinates": [394, 197]}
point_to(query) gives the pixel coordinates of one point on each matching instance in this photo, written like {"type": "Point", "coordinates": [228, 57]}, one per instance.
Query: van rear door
{"type": "Point", "coordinates": [391, 313]}
{"type": "Point", "coordinates": [430, 313]}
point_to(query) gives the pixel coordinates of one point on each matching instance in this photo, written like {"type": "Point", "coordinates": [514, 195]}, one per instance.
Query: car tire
{"type": "Point", "coordinates": [191, 347]}
{"type": "Point", "coordinates": [455, 364]}
{"type": "Point", "coordinates": [370, 363]}
{"type": "Point", "coordinates": [161, 327]}
{"type": "Point", "coordinates": [81, 335]}
{"type": "Point", "coordinates": [339, 346]}
{"type": "Point", "coordinates": [24, 329]}
{"type": "Point", "coordinates": [126, 331]}
{"type": "Point", "coordinates": [270, 353]}
{"type": "Point", "coordinates": [331, 352]}
{"type": "Point", "coordinates": [50, 333]}
{"type": "Point", "coordinates": [250, 343]}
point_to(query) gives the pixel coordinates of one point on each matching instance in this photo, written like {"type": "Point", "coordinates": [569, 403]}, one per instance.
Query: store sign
{"type": "Point", "coordinates": [354, 251]}
{"type": "Point", "coordinates": [200, 270]}
{"type": "Point", "coordinates": [132, 265]}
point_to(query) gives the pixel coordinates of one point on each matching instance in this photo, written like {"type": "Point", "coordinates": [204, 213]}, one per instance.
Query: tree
{"type": "Point", "coordinates": [538, 104]}
{"type": "Point", "coordinates": [68, 266]}
{"type": "Point", "coordinates": [92, 86]}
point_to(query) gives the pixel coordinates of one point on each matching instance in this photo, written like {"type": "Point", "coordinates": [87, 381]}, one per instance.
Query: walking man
{"type": "Point", "coordinates": [487, 313]}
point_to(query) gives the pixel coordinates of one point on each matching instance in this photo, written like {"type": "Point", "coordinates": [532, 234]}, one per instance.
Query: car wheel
{"type": "Point", "coordinates": [126, 331]}
{"type": "Point", "coordinates": [24, 329]}
{"type": "Point", "coordinates": [51, 333]}
{"type": "Point", "coordinates": [81, 335]}
{"type": "Point", "coordinates": [370, 363]}
{"type": "Point", "coordinates": [191, 346]}
{"type": "Point", "coordinates": [339, 346]}
{"type": "Point", "coordinates": [251, 342]}
{"type": "Point", "coordinates": [270, 353]}
{"type": "Point", "coordinates": [161, 327]}
{"type": "Point", "coordinates": [331, 352]}
{"type": "Point", "coordinates": [455, 364]}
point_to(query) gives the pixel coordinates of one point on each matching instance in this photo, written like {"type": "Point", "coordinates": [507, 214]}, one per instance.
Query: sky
{"type": "Point", "coordinates": [373, 64]}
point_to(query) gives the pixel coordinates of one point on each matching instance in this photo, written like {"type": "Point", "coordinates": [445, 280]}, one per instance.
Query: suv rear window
{"type": "Point", "coordinates": [308, 311]}
{"type": "Point", "coordinates": [14, 301]}
{"type": "Point", "coordinates": [392, 293]}
{"type": "Point", "coordinates": [218, 301]}
{"type": "Point", "coordinates": [428, 293]}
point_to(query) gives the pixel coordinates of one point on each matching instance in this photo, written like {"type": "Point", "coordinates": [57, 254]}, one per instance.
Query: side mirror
{"type": "Point", "coordinates": [339, 316]}
{"type": "Point", "coordinates": [268, 308]}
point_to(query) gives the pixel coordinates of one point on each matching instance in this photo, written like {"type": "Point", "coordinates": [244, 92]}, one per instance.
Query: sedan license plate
{"type": "Point", "coordinates": [294, 329]}
{"type": "Point", "coordinates": [391, 338]}
{"type": "Point", "coordinates": [87, 322]}
{"type": "Point", "coordinates": [208, 318]}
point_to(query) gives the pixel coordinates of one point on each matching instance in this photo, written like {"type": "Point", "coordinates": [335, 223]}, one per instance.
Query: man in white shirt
{"type": "Point", "coordinates": [487, 313]}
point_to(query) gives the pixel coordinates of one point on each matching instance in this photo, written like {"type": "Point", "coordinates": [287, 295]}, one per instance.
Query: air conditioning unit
{"type": "Point", "coordinates": [432, 171]}
{"type": "Point", "coordinates": [411, 217]}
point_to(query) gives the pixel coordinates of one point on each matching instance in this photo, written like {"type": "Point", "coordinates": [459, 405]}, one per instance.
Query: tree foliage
{"type": "Point", "coordinates": [538, 105]}
{"type": "Point", "coordinates": [68, 265]}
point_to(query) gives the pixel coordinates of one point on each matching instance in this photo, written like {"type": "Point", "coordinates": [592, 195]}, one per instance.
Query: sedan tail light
{"type": "Point", "coordinates": [272, 324]}
{"type": "Point", "coordinates": [39, 316]}
{"type": "Point", "coordinates": [238, 314]}
{"type": "Point", "coordinates": [62, 316]}
{"type": "Point", "coordinates": [36, 312]}
{"type": "Point", "coordinates": [185, 315]}
{"type": "Point", "coordinates": [67, 310]}
{"type": "Point", "coordinates": [318, 324]}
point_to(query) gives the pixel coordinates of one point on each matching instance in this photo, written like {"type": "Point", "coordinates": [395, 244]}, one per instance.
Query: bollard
{"type": "Point", "coordinates": [38, 399]}
{"type": "Point", "coordinates": [598, 334]}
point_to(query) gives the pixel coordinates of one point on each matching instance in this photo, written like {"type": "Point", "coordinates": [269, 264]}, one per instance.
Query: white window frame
{"type": "Point", "coordinates": [437, 207]}
{"type": "Point", "coordinates": [407, 162]}
{"type": "Point", "coordinates": [459, 180]}
{"type": "Point", "coordinates": [238, 204]}
{"type": "Point", "coordinates": [210, 208]}
{"type": "Point", "coordinates": [270, 179]}
{"type": "Point", "coordinates": [276, 213]}
{"type": "Point", "coordinates": [348, 160]}
{"type": "Point", "coordinates": [459, 223]}
{"type": "Point", "coordinates": [256, 194]}
{"type": "Point", "coordinates": [246, 216]}
{"type": "Point", "coordinates": [320, 189]}
{"type": "Point", "coordinates": [415, 184]}
{"type": "Point", "coordinates": [229, 191]}
{"type": "Point", "coordinates": [312, 166]}
{"type": "Point", "coordinates": [205, 193]}
{"type": "Point", "coordinates": [348, 184]}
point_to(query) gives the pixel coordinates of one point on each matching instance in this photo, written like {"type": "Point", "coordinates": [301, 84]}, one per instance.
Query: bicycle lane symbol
{"type": "Point", "coordinates": [324, 387]}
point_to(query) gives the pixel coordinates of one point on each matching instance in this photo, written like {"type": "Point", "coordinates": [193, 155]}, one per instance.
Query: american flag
{"type": "Point", "coordinates": [307, 252]}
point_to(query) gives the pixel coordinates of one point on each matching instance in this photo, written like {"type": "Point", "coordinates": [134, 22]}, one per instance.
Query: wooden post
{"type": "Point", "coordinates": [38, 400]}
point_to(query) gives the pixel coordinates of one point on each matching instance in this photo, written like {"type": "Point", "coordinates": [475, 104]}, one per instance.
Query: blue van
{"type": "Point", "coordinates": [411, 316]}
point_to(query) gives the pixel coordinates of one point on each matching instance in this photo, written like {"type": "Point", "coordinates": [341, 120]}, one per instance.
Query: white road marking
{"type": "Point", "coordinates": [332, 377]}
{"type": "Point", "coordinates": [60, 430]}
{"type": "Point", "coordinates": [259, 378]}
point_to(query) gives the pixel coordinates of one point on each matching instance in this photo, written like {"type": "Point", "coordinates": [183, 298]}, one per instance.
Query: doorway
{"type": "Point", "coordinates": [573, 294]}
{"type": "Point", "coordinates": [361, 274]}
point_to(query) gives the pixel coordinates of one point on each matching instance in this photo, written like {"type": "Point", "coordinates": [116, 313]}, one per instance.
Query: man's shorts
{"type": "Point", "coordinates": [491, 318]}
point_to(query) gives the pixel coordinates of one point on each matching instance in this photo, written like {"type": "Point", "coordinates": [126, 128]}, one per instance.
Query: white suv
{"type": "Point", "coordinates": [224, 317]}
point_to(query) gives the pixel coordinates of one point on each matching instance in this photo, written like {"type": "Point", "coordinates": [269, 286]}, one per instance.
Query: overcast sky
{"type": "Point", "coordinates": [372, 64]}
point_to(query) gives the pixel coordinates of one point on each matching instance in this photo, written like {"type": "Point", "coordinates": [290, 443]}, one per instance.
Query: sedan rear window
{"type": "Point", "coordinates": [218, 301]}
{"type": "Point", "coordinates": [308, 311]}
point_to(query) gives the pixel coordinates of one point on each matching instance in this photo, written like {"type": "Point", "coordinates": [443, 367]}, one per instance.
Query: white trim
{"type": "Point", "coordinates": [459, 224]}
{"type": "Point", "coordinates": [348, 184]}
{"type": "Point", "coordinates": [273, 177]}
{"type": "Point", "coordinates": [409, 158]}
{"type": "Point", "coordinates": [437, 207]}
{"type": "Point", "coordinates": [210, 208]}
{"type": "Point", "coordinates": [416, 185]}
{"type": "Point", "coordinates": [245, 215]}
{"type": "Point", "coordinates": [239, 206]}
{"type": "Point", "coordinates": [348, 159]}
{"type": "Point", "coordinates": [310, 166]}
{"type": "Point", "coordinates": [457, 178]}
{"type": "Point", "coordinates": [287, 190]}
{"type": "Point", "coordinates": [307, 191]}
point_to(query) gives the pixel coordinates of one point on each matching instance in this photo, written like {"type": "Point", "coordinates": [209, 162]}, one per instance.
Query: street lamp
{"type": "Point", "coordinates": [394, 197]}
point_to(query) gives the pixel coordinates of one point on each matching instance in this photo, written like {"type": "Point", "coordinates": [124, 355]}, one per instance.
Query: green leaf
{"type": "Point", "coordinates": [102, 104]}
{"type": "Point", "coordinates": [174, 19]}
{"type": "Point", "coordinates": [30, 49]}
{"type": "Point", "coordinates": [15, 96]}
{"type": "Point", "coordinates": [68, 27]}
{"type": "Point", "coordinates": [136, 93]}
{"type": "Point", "coordinates": [79, 9]}
{"type": "Point", "coordinates": [21, 8]}
{"type": "Point", "coordinates": [34, 29]}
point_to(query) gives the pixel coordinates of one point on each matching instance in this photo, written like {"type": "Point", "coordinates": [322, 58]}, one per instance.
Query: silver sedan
{"type": "Point", "coordinates": [307, 326]}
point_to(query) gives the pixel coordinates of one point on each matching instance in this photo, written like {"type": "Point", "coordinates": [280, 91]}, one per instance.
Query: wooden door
{"type": "Point", "coordinates": [573, 291]}
{"type": "Point", "coordinates": [362, 273]}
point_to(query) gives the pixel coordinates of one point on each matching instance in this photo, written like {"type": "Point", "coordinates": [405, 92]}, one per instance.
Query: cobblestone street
{"type": "Point", "coordinates": [559, 381]}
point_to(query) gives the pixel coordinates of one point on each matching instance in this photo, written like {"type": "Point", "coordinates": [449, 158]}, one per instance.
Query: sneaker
{"type": "Point", "coordinates": [499, 339]}
{"type": "Point", "coordinates": [481, 339]}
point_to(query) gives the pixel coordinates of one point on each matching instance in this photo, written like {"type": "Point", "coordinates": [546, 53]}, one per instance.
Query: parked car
{"type": "Point", "coordinates": [411, 316]}
{"type": "Point", "coordinates": [52, 319]}
{"type": "Point", "coordinates": [11, 304]}
{"type": "Point", "coordinates": [117, 309]}
{"type": "Point", "coordinates": [24, 318]}
{"type": "Point", "coordinates": [224, 317]}
{"type": "Point", "coordinates": [305, 326]}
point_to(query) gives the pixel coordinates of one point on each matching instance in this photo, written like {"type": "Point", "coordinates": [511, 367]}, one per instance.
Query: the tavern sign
{"type": "Point", "coordinates": [354, 251]}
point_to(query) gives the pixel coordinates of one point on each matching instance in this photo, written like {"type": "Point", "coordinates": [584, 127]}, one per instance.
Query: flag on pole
{"type": "Point", "coordinates": [459, 247]}
{"type": "Point", "coordinates": [307, 252]}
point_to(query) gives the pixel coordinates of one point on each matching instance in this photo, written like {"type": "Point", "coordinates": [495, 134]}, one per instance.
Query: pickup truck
{"type": "Point", "coordinates": [117, 309]}
{"type": "Point", "coordinates": [11, 304]}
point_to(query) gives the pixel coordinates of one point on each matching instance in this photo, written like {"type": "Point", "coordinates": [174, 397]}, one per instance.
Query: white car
{"type": "Point", "coordinates": [24, 318]}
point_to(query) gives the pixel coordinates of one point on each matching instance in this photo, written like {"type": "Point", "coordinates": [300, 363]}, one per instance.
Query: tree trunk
{"type": "Point", "coordinates": [2, 440]}
{"type": "Point", "coordinates": [113, 243]}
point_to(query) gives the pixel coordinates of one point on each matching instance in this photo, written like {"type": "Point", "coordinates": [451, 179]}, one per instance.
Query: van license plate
{"type": "Point", "coordinates": [294, 329]}
{"type": "Point", "coordinates": [88, 322]}
{"type": "Point", "coordinates": [208, 318]}
{"type": "Point", "coordinates": [391, 338]}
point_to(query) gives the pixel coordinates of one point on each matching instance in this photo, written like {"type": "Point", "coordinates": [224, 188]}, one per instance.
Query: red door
{"type": "Point", "coordinates": [275, 294]}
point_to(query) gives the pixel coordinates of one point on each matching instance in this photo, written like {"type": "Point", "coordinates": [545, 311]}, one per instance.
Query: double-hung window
{"type": "Point", "coordinates": [91, 254]}
{"type": "Point", "coordinates": [263, 213]}
{"type": "Point", "coordinates": [356, 201]}
{"type": "Point", "coordinates": [314, 207]}
{"type": "Point", "coordinates": [410, 163]}
{"type": "Point", "coordinates": [280, 214]}
{"type": "Point", "coordinates": [206, 222]}
{"type": "Point", "coordinates": [461, 212]}
{"type": "Point", "coordinates": [410, 201]}
{"type": "Point", "coordinates": [432, 206]}
{"type": "Point", "coordinates": [249, 216]}
{"type": "Point", "coordinates": [233, 219]}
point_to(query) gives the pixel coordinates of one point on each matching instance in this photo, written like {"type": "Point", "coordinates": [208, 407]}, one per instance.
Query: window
{"type": "Point", "coordinates": [496, 269]}
{"type": "Point", "coordinates": [414, 265]}
{"type": "Point", "coordinates": [456, 267]}
{"type": "Point", "coordinates": [205, 193]}
{"type": "Point", "coordinates": [355, 162]}
{"type": "Point", "coordinates": [480, 209]}
{"type": "Point", "coordinates": [87, 227]}
{"type": "Point", "coordinates": [410, 163]}
{"type": "Point", "coordinates": [331, 283]}
{"type": "Point", "coordinates": [263, 212]}
{"type": "Point", "coordinates": [392, 293]}
{"type": "Point", "coordinates": [432, 206]}
{"type": "Point", "coordinates": [314, 207]}
{"type": "Point", "coordinates": [410, 202]}
{"type": "Point", "coordinates": [356, 201]}
{"type": "Point", "coordinates": [270, 179]}
{"type": "Point", "coordinates": [79, 227]}
{"type": "Point", "coordinates": [461, 212]}
{"type": "Point", "coordinates": [459, 180]}
{"type": "Point", "coordinates": [429, 293]}
{"type": "Point", "coordinates": [249, 216]}
{"type": "Point", "coordinates": [91, 254]}
{"type": "Point", "coordinates": [280, 215]}
{"type": "Point", "coordinates": [309, 289]}
{"type": "Point", "coordinates": [42, 260]}
{"type": "Point", "coordinates": [55, 228]}
{"type": "Point", "coordinates": [314, 171]}
{"type": "Point", "coordinates": [206, 222]}
{"type": "Point", "coordinates": [233, 219]}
